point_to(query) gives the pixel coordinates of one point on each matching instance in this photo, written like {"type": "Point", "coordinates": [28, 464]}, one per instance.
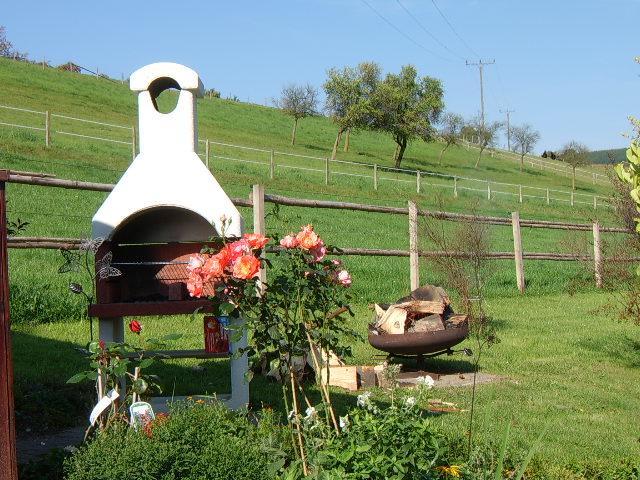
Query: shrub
{"type": "Point", "coordinates": [398, 442]}
{"type": "Point", "coordinates": [194, 442]}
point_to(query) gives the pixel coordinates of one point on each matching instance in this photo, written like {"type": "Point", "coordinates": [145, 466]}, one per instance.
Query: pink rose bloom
{"type": "Point", "coordinates": [214, 267]}
{"type": "Point", "coordinates": [290, 241]}
{"type": "Point", "coordinates": [195, 285]}
{"type": "Point", "coordinates": [255, 240]}
{"type": "Point", "coordinates": [195, 263]}
{"type": "Point", "coordinates": [344, 278]}
{"type": "Point", "coordinates": [246, 267]}
{"type": "Point", "coordinates": [336, 262]}
{"type": "Point", "coordinates": [307, 238]}
{"type": "Point", "coordinates": [235, 250]}
{"type": "Point", "coordinates": [318, 252]}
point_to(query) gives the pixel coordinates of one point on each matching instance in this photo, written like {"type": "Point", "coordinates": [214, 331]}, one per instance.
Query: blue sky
{"type": "Point", "coordinates": [564, 66]}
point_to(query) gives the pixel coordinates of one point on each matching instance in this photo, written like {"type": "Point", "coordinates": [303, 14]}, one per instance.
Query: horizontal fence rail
{"type": "Point", "coordinates": [75, 244]}
{"type": "Point", "coordinates": [372, 172]}
{"type": "Point", "coordinates": [257, 201]}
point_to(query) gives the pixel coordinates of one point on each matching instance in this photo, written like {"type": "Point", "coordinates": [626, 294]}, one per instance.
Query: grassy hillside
{"type": "Point", "coordinates": [565, 359]}
{"type": "Point", "coordinates": [230, 122]}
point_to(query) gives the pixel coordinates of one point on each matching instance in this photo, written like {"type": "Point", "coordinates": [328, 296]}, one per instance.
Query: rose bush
{"type": "Point", "coordinates": [296, 316]}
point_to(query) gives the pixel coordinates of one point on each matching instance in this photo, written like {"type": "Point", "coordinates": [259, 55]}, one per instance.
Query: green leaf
{"type": "Point", "coordinates": [78, 377]}
{"type": "Point", "coordinates": [226, 308]}
{"type": "Point", "coordinates": [171, 337]}
{"type": "Point", "coordinates": [195, 313]}
{"type": "Point", "coordinates": [146, 362]}
{"type": "Point", "coordinates": [503, 450]}
{"type": "Point", "coordinates": [140, 386]}
{"type": "Point", "coordinates": [530, 453]}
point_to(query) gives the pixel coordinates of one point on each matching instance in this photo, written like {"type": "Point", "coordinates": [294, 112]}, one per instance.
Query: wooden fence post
{"type": "Point", "coordinates": [326, 171]}
{"type": "Point", "coordinates": [414, 265]}
{"type": "Point", "coordinates": [207, 152]}
{"type": "Point", "coordinates": [547, 196]}
{"type": "Point", "coordinates": [572, 198]}
{"type": "Point", "coordinates": [8, 458]}
{"type": "Point", "coordinates": [597, 254]}
{"type": "Point", "coordinates": [134, 142]}
{"type": "Point", "coordinates": [272, 165]}
{"type": "Point", "coordinates": [375, 176]}
{"type": "Point", "coordinates": [455, 187]}
{"type": "Point", "coordinates": [520, 193]}
{"type": "Point", "coordinates": [517, 250]}
{"type": "Point", "coordinates": [418, 181]}
{"type": "Point", "coordinates": [47, 128]}
{"type": "Point", "coordinates": [257, 198]}
{"type": "Point", "coordinates": [595, 202]}
{"type": "Point", "coordinates": [488, 190]}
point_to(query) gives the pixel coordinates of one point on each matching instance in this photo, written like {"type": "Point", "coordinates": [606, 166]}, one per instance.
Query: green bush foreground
{"type": "Point", "coordinates": [209, 442]}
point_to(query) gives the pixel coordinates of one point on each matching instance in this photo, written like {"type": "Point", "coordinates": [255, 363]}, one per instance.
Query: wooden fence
{"type": "Point", "coordinates": [375, 175]}
{"type": "Point", "coordinates": [258, 198]}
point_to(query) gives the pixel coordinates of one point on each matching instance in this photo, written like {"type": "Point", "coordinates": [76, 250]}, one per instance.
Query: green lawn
{"type": "Point", "coordinates": [564, 365]}
{"type": "Point", "coordinates": [566, 362]}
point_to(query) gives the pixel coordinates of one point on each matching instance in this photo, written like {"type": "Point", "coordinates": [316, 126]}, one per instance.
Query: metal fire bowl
{"type": "Point", "coordinates": [419, 343]}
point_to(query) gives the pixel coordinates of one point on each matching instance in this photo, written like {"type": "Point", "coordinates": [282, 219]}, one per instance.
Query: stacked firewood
{"type": "Point", "coordinates": [427, 309]}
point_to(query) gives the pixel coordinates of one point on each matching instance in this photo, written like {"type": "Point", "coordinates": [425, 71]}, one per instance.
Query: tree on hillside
{"type": "Point", "coordinates": [577, 155]}
{"type": "Point", "coordinates": [468, 133]}
{"type": "Point", "coordinates": [298, 101]}
{"type": "Point", "coordinates": [6, 47]}
{"type": "Point", "coordinates": [524, 139]}
{"type": "Point", "coordinates": [348, 94]}
{"type": "Point", "coordinates": [407, 106]}
{"type": "Point", "coordinates": [450, 132]}
{"type": "Point", "coordinates": [486, 135]}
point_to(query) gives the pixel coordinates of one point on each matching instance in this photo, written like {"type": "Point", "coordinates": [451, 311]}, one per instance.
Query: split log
{"type": "Point", "coordinates": [432, 323]}
{"type": "Point", "coordinates": [393, 321]}
{"type": "Point", "coordinates": [422, 306]}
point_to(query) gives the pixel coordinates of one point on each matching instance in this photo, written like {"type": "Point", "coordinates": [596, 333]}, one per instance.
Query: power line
{"type": "Point", "coordinates": [411, 39]}
{"type": "Point", "coordinates": [453, 29]}
{"type": "Point", "coordinates": [419, 23]}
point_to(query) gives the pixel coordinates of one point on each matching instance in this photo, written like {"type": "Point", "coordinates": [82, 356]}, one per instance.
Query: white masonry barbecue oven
{"type": "Point", "coordinates": [166, 206]}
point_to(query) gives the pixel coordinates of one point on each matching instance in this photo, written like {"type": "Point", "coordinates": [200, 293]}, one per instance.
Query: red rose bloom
{"type": "Point", "coordinates": [135, 326]}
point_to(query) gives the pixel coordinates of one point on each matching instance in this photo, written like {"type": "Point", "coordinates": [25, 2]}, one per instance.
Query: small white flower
{"type": "Point", "coordinates": [344, 422]}
{"type": "Point", "coordinates": [311, 412]}
{"type": "Point", "coordinates": [410, 401]}
{"type": "Point", "coordinates": [363, 399]}
{"type": "Point", "coordinates": [426, 381]}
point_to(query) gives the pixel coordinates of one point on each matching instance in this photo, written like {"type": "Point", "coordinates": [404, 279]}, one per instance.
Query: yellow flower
{"type": "Point", "coordinates": [200, 401]}
{"type": "Point", "coordinates": [453, 470]}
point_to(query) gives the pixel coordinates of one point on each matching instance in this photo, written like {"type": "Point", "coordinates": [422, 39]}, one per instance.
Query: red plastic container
{"type": "Point", "coordinates": [216, 337]}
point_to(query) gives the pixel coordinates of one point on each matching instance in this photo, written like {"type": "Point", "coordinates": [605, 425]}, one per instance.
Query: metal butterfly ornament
{"type": "Point", "coordinates": [72, 261]}
{"type": "Point", "coordinates": [104, 269]}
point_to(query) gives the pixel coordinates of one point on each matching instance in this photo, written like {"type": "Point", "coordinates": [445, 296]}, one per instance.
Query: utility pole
{"type": "Point", "coordinates": [480, 64]}
{"type": "Point", "coordinates": [508, 113]}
